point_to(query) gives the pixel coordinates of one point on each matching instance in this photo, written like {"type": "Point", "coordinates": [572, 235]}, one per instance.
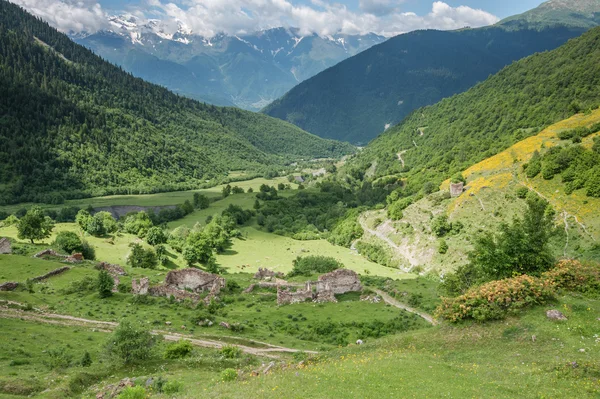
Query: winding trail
{"type": "Point", "coordinates": [391, 301]}
{"type": "Point", "coordinates": [108, 326]}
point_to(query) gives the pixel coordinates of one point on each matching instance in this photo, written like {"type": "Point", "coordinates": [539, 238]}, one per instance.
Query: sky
{"type": "Point", "coordinates": [324, 17]}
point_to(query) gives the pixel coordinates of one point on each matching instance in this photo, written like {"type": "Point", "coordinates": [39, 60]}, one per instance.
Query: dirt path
{"type": "Point", "coordinates": [109, 326]}
{"type": "Point", "coordinates": [382, 233]}
{"type": "Point", "coordinates": [391, 301]}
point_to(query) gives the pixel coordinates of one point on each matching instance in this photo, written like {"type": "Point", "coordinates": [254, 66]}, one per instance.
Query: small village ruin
{"type": "Point", "coordinates": [182, 284]}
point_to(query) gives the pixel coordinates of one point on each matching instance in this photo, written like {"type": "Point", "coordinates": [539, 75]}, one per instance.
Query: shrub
{"type": "Point", "coordinates": [86, 360]}
{"type": "Point", "coordinates": [306, 266]}
{"type": "Point", "coordinates": [58, 358]}
{"type": "Point", "coordinates": [573, 275]}
{"type": "Point", "coordinates": [228, 375]}
{"type": "Point", "coordinates": [68, 242]}
{"type": "Point", "coordinates": [522, 192]}
{"type": "Point", "coordinates": [140, 257]}
{"type": "Point", "coordinates": [172, 387]}
{"type": "Point", "coordinates": [87, 250]}
{"type": "Point", "coordinates": [178, 350]}
{"type": "Point", "coordinates": [133, 393]}
{"type": "Point", "coordinates": [129, 344]}
{"type": "Point", "coordinates": [201, 201]}
{"type": "Point", "coordinates": [137, 223]}
{"type": "Point", "coordinates": [85, 285]}
{"type": "Point", "coordinates": [442, 247]}
{"type": "Point", "coordinates": [496, 299]}
{"type": "Point", "coordinates": [440, 225]}
{"type": "Point", "coordinates": [104, 284]}
{"type": "Point", "coordinates": [231, 352]}
{"type": "Point", "coordinates": [155, 236]}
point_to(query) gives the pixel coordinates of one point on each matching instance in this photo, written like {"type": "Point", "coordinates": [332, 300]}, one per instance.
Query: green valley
{"type": "Point", "coordinates": [155, 247]}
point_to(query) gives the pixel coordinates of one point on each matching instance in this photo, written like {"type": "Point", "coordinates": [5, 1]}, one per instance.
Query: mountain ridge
{"type": "Point", "coordinates": [75, 124]}
{"type": "Point", "coordinates": [248, 71]}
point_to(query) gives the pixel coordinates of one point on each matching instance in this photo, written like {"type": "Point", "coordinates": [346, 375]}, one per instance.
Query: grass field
{"type": "Point", "coordinates": [493, 360]}
{"type": "Point", "coordinates": [160, 199]}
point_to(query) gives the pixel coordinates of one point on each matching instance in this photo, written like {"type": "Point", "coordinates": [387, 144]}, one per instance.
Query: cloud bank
{"type": "Point", "coordinates": [210, 17]}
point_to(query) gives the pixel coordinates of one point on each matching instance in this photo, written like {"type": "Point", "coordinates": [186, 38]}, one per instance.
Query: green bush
{"type": "Point", "coordinates": [104, 284]}
{"type": "Point", "coordinates": [522, 192]}
{"type": "Point", "coordinates": [231, 352]}
{"type": "Point", "coordinates": [87, 250]}
{"type": "Point", "coordinates": [442, 247]}
{"type": "Point", "coordinates": [178, 350]}
{"type": "Point", "coordinates": [172, 387]}
{"type": "Point", "coordinates": [133, 393]}
{"type": "Point", "coordinates": [155, 236]}
{"type": "Point", "coordinates": [306, 266]}
{"type": "Point", "coordinates": [440, 225]}
{"type": "Point", "coordinates": [86, 360]}
{"type": "Point", "coordinates": [229, 375]}
{"type": "Point", "coordinates": [68, 242]}
{"type": "Point", "coordinates": [130, 345]}
{"type": "Point", "coordinates": [58, 358]}
{"type": "Point", "coordinates": [140, 257]}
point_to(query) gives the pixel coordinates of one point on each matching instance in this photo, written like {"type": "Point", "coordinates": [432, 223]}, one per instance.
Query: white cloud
{"type": "Point", "coordinates": [209, 17]}
{"type": "Point", "coordinates": [68, 15]}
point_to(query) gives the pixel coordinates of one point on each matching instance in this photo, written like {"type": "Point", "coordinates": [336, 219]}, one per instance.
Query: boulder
{"type": "Point", "coordinates": [555, 315]}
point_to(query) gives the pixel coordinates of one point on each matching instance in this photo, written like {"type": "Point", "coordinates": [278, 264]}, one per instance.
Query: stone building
{"type": "Point", "coordinates": [5, 246]}
{"type": "Point", "coordinates": [456, 189]}
{"type": "Point", "coordinates": [323, 290]}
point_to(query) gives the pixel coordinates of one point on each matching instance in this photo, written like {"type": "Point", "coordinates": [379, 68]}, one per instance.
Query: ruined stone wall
{"type": "Point", "coordinates": [263, 274]}
{"type": "Point", "coordinates": [54, 272]}
{"type": "Point", "coordinates": [165, 290]}
{"type": "Point", "coordinates": [9, 286]}
{"type": "Point", "coordinates": [113, 270]}
{"type": "Point", "coordinates": [286, 296]}
{"type": "Point", "coordinates": [339, 281]}
{"type": "Point", "coordinates": [140, 287]}
{"type": "Point", "coordinates": [194, 279]}
{"type": "Point", "coordinates": [5, 246]}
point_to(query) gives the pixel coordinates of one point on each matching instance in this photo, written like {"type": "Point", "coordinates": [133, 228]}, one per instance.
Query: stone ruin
{"type": "Point", "coordinates": [323, 290]}
{"type": "Point", "coordinates": [75, 258]}
{"type": "Point", "coordinates": [51, 273]}
{"type": "Point", "coordinates": [5, 246]}
{"type": "Point", "coordinates": [9, 286]}
{"type": "Point", "coordinates": [456, 189]}
{"type": "Point", "coordinates": [182, 284]}
{"type": "Point", "coordinates": [195, 280]}
{"type": "Point", "coordinates": [340, 281]}
{"type": "Point", "coordinates": [266, 274]}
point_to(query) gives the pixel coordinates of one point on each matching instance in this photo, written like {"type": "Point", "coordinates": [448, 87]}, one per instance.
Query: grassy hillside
{"type": "Point", "coordinates": [74, 124]}
{"type": "Point", "coordinates": [438, 141]}
{"type": "Point", "coordinates": [491, 197]}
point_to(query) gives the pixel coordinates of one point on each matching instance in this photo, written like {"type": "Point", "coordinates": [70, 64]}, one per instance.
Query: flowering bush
{"type": "Point", "coordinates": [496, 299]}
{"type": "Point", "coordinates": [573, 275]}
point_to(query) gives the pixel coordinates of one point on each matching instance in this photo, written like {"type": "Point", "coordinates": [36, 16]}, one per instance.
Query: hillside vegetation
{"type": "Point", "coordinates": [361, 97]}
{"type": "Point", "coordinates": [437, 141]}
{"type": "Point", "coordinates": [494, 194]}
{"type": "Point", "coordinates": [74, 124]}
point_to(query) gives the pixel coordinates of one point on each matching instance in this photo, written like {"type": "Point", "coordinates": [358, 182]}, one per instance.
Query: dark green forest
{"type": "Point", "coordinates": [440, 140]}
{"type": "Point", "coordinates": [357, 98]}
{"type": "Point", "coordinates": [73, 125]}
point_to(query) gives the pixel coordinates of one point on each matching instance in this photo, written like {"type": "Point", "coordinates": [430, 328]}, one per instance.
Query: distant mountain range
{"type": "Point", "coordinates": [248, 71]}
{"type": "Point", "coordinates": [361, 97]}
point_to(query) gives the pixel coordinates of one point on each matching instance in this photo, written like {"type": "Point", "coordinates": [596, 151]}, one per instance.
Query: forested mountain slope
{"type": "Point", "coordinates": [436, 141]}
{"type": "Point", "coordinates": [360, 97]}
{"type": "Point", "coordinates": [71, 122]}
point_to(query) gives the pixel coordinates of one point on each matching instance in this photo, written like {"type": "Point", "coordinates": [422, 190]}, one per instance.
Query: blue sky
{"type": "Point", "coordinates": [324, 17]}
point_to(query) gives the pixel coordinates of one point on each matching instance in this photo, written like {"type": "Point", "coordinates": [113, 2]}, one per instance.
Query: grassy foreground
{"type": "Point", "coordinates": [529, 357]}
